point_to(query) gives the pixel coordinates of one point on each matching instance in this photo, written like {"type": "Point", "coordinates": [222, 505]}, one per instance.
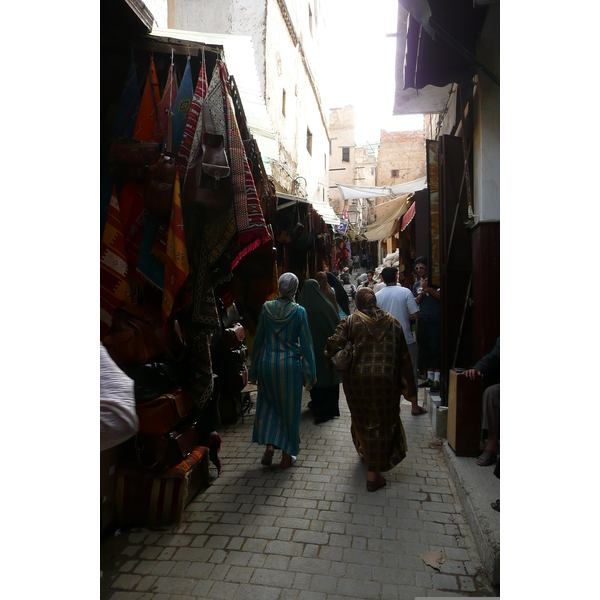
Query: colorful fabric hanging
{"type": "Point", "coordinates": [182, 105]}
{"type": "Point", "coordinates": [128, 105]}
{"type": "Point", "coordinates": [193, 118]}
{"type": "Point", "coordinates": [148, 264]}
{"type": "Point", "coordinates": [146, 118]}
{"type": "Point", "coordinates": [167, 100]}
{"type": "Point", "coordinates": [114, 282]}
{"type": "Point", "coordinates": [131, 201]}
{"type": "Point", "coordinates": [176, 264]}
{"type": "Point", "coordinates": [250, 222]}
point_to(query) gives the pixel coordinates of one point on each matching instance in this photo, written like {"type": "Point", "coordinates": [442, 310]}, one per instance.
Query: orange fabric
{"type": "Point", "coordinates": [176, 263]}
{"type": "Point", "coordinates": [146, 119]}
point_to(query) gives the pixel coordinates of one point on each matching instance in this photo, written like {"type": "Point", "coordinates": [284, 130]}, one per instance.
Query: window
{"type": "Point", "coordinates": [325, 161]}
{"type": "Point", "coordinates": [309, 141]}
{"type": "Point", "coordinates": [310, 20]}
{"type": "Point", "coordinates": [372, 170]}
{"type": "Point", "coordinates": [394, 172]}
{"type": "Point", "coordinates": [345, 154]}
{"type": "Point", "coordinates": [283, 104]}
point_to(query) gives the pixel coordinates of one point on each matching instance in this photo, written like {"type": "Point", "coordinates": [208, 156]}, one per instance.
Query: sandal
{"type": "Point", "coordinates": [292, 462]}
{"type": "Point", "coordinates": [373, 486]}
{"type": "Point", "coordinates": [487, 458]}
{"type": "Point", "coordinates": [422, 411]}
{"type": "Point", "coordinates": [267, 458]}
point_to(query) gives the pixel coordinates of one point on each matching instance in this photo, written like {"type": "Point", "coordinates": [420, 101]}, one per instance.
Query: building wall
{"type": "Point", "coordinates": [403, 151]}
{"type": "Point", "coordinates": [283, 63]}
{"type": "Point", "coordinates": [341, 131]}
{"type": "Point", "coordinates": [159, 9]}
{"type": "Point", "coordinates": [486, 136]}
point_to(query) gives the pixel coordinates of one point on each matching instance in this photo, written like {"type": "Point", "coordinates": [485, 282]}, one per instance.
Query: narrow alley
{"type": "Point", "coordinates": [312, 532]}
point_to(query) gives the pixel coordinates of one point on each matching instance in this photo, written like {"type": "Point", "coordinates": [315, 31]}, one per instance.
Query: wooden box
{"type": "Point", "coordinates": [464, 414]}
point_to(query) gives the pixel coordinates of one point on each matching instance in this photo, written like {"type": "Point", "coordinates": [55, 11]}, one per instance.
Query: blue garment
{"type": "Point", "coordinates": [283, 361]}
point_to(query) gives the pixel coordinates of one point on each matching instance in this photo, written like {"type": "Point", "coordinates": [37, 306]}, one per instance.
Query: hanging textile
{"type": "Point", "coordinates": [193, 117]}
{"type": "Point", "coordinates": [131, 201]}
{"type": "Point", "coordinates": [176, 264]}
{"type": "Point", "coordinates": [167, 100]}
{"type": "Point", "coordinates": [148, 263]}
{"type": "Point", "coordinates": [181, 106]}
{"type": "Point", "coordinates": [128, 105]}
{"type": "Point", "coordinates": [250, 223]}
{"type": "Point", "coordinates": [146, 118]}
{"type": "Point", "coordinates": [114, 283]}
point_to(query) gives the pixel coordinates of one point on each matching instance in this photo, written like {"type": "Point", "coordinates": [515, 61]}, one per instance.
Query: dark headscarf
{"type": "Point", "coordinates": [324, 286]}
{"type": "Point", "coordinates": [340, 292]}
{"type": "Point", "coordinates": [378, 321]}
{"type": "Point", "coordinates": [365, 299]}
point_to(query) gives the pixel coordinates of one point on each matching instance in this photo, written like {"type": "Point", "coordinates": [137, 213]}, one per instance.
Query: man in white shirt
{"type": "Point", "coordinates": [400, 303]}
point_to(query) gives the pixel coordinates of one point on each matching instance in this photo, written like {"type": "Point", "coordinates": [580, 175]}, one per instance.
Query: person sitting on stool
{"type": "Point", "coordinates": [489, 368]}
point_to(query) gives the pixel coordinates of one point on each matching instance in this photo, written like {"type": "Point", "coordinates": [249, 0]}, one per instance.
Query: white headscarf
{"type": "Point", "coordinates": [288, 285]}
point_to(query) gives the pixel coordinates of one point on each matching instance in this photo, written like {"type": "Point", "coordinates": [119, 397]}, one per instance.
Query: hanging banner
{"type": "Point", "coordinates": [342, 227]}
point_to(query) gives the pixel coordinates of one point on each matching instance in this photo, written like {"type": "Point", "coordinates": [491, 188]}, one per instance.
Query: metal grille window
{"type": "Point", "coordinates": [345, 154]}
{"type": "Point", "coordinates": [309, 141]}
{"type": "Point", "coordinates": [395, 172]}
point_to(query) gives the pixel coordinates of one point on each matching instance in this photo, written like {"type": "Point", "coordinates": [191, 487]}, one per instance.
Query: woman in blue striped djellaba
{"type": "Point", "coordinates": [283, 362]}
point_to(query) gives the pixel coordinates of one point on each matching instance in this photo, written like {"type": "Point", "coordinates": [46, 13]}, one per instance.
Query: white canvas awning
{"type": "Point", "coordinates": [324, 210]}
{"type": "Point", "coordinates": [239, 57]}
{"type": "Point", "coordinates": [355, 192]}
{"type": "Point", "coordinates": [387, 218]}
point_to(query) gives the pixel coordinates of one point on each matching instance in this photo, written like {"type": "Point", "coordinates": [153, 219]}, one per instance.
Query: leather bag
{"type": "Point", "coordinates": [136, 336]}
{"type": "Point", "coordinates": [129, 158]}
{"type": "Point", "coordinates": [154, 379]}
{"type": "Point", "coordinates": [232, 337]}
{"type": "Point", "coordinates": [165, 413]}
{"type": "Point", "coordinates": [160, 186]}
{"type": "Point", "coordinates": [342, 359]}
{"type": "Point", "coordinates": [238, 356]}
{"type": "Point", "coordinates": [162, 452]}
{"type": "Point", "coordinates": [208, 181]}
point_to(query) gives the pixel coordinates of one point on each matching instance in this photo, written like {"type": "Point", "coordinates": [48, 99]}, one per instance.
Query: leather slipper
{"type": "Point", "coordinates": [487, 458]}
{"type": "Point", "coordinates": [267, 458]}
{"type": "Point", "coordinates": [373, 486]}
{"type": "Point", "coordinates": [422, 411]}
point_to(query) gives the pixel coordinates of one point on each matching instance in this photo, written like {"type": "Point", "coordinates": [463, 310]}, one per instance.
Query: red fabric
{"type": "Point", "coordinates": [169, 95]}
{"type": "Point", "coordinates": [408, 216]}
{"type": "Point", "coordinates": [193, 117]}
{"type": "Point", "coordinates": [114, 281]}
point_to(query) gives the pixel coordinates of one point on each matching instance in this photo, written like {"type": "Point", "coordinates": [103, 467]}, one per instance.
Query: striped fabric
{"type": "Point", "coordinates": [167, 100]}
{"type": "Point", "coordinates": [282, 361]}
{"type": "Point", "coordinates": [381, 372]}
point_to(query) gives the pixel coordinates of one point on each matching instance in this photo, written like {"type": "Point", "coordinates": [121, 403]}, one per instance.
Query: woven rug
{"type": "Point", "coordinates": [182, 105]}
{"type": "Point", "coordinates": [128, 105]}
{"type": "Point", "coordinates": [167, 100]}
{"type": "Point", "coordinates": [192, 120]}
{"type": "Point", "coordinates": [146, 118]}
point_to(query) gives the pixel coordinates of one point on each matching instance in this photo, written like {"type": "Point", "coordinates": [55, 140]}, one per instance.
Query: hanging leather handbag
{"type": "Point", "coordinates": [160, 186]}
{"type": "Point", "coordinates": [136, 336]}
{"type": "Point", "coordinates": [165, 413]}
{"type": "Point", "coordinates": [208, 181]}
{"type": "Point", "coordinates": [162, 452]}
{"type": "Point", "coordinates": [232, 337]}
{"type": "Point", "coordinates": [238, 356]}
{"type": "Point", "coordinates": [342, 359]}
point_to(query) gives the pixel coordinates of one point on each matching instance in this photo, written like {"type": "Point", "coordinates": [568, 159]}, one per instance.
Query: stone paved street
{"type": "Point", "coordinates": [312, 532]}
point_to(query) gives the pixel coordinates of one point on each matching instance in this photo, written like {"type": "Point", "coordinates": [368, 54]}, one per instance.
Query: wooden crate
{"type": "Point", "coordinates": [464, 414]}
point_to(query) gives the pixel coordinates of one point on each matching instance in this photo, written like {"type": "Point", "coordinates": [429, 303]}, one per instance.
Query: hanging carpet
{"type": "Point", "coordinates": [167, 100]}
{"type": "Point", "coordinates": [181, 106]}
{"type": "Point", "coordinates": [146, 118]}
{"type": "Point", "coordinates": [128, 105]}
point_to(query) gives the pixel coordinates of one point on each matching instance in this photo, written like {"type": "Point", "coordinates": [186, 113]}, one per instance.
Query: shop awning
{"type": "Point", "coordinates": [239, 57]}
{"type": "Point", "coordinates": [388, 214]}
{"type": "Point", "coordinates": [435, 48]}
{"type": "Point", "coordinates": [408, 216]}
{"type": "Point", "coordinates": [355, 192]}
{"type": "Point", "coordinates": [324, 210]}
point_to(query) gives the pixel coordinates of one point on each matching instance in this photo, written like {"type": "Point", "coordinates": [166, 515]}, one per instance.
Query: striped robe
{"type": "Point", "coordinates": [283, 361]}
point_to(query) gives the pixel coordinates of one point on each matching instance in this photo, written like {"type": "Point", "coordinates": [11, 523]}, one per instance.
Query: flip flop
{"type": "Point", "coordinates": [487, 458]}
{"type": "Point", "coordinates": [292, 462]}
{"type": "Point", "coordinates": [422, 411]}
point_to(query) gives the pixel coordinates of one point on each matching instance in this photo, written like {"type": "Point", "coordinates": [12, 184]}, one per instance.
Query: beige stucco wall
{"type": "Point", "coordinates": [403, 151]}
{"type": "Point", "coordinates": [341, 130]}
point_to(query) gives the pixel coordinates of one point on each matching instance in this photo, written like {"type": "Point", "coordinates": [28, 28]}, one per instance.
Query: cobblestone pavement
{"type": "Point", "coordinates": [311, 532]}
